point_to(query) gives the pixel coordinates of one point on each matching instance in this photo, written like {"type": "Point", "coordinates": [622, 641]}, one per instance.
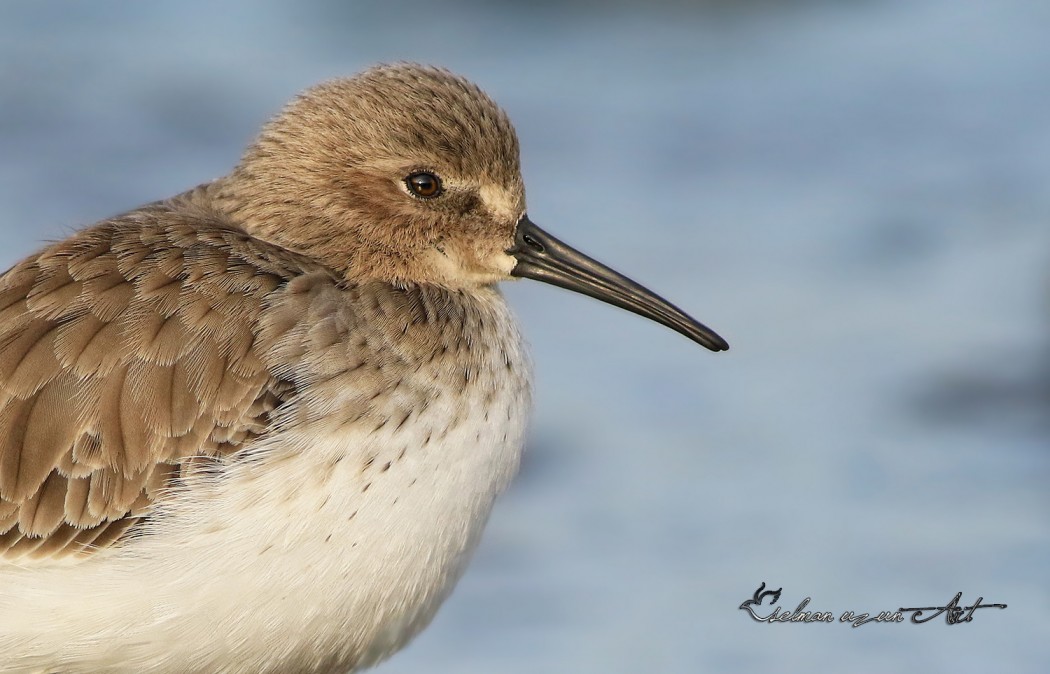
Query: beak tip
{"type": "Point", "coordinates": [715, 343]}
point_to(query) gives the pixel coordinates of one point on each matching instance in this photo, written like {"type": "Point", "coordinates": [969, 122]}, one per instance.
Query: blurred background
{"type": "Point", "coordinates": [855, 194]}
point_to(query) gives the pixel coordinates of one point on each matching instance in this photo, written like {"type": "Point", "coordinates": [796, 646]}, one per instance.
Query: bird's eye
{"type": "Point", "coordinates": [424, 184]}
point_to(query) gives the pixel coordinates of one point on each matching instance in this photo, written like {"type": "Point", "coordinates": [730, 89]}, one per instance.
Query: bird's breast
{"type": "Point", "coordinates": [353, 521]}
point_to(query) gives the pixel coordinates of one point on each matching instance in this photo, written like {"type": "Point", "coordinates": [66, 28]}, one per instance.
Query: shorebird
{"type": "Point", "coordinates": [259, 426]}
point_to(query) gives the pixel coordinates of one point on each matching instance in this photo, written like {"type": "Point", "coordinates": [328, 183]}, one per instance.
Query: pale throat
{"type": "Point", "coordinates": [453, 270]}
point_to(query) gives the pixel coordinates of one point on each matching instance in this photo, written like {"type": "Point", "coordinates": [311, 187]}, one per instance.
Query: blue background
{"type": "Point", "coordinates": [855, 194]}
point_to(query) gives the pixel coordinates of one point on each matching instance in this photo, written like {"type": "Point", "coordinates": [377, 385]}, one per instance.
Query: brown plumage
{"type": "Point", "coordinates": [125, 351]}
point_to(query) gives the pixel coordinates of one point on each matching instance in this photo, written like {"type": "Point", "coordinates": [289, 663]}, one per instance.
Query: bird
{"type": "Point", "coordinates": [259, 426]}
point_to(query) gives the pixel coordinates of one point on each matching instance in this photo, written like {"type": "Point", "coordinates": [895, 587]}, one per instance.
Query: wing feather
{"type": "Point", "coordinates": [128, 353]}
{"type": "Point", "coordinates": [42, 513]}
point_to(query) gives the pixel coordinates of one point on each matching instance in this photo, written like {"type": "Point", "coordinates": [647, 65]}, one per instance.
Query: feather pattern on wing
{"type": "Point", "coordinates": [126, 350]}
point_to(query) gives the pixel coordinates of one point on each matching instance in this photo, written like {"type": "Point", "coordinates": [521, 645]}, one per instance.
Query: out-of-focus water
{"type": "Point", "coordinates": [856, 195]}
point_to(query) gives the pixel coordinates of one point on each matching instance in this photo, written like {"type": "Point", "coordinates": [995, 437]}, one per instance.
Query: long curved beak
{"type": "Point", "coordinates": [544, 258]}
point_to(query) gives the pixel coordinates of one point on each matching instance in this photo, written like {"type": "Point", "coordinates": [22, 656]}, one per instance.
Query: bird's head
{"type": "Point", "coordinates": [406, 175]}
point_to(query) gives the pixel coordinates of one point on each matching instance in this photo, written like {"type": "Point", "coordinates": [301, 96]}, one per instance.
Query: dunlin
{"type": "Point", "coordinates": [259, 426]}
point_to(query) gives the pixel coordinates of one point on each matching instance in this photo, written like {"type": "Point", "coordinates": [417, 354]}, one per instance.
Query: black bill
{"type": "Point", "coordinates": [544, 258]}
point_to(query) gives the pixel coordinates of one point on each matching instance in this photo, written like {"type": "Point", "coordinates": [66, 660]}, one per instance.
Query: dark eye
{"type": "Point", "coordinates": [424, 184]}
